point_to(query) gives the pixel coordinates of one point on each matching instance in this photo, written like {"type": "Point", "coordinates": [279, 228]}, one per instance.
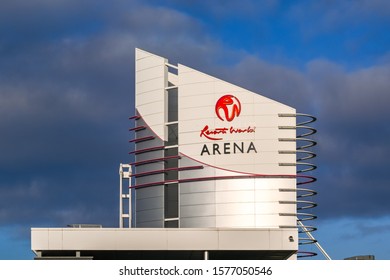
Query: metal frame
{"type": "Point", "coordinates": [125, 173]}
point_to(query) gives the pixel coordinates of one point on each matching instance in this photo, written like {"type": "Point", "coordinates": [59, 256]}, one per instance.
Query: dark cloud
{"type": "Point", "coordinates": [63, 116]}
{"type": "Point", "coordinates": [222, 8]}
{"type": "Point", "coordinates": [331, 15]}
{"type": "Point", "coordinates": [374, 229]}
{"type": "Point", "coordinates": [67, 86]}
{"type": "Point", "coordinates": [65, 97]}
{"type": "Point", "coordinates": [353, 138]}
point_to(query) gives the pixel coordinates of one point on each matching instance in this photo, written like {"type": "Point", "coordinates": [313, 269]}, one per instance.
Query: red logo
{"type": "Point", "coordinates": [228, 107]}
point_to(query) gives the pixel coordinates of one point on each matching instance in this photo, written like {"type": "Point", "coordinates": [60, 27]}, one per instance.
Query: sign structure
{"type": "Point", "coordinates": [228, 127]}
{"type": "Point", "coordinates": [215, 172]}
{"type": "Point", "coordinates": [209, 153]}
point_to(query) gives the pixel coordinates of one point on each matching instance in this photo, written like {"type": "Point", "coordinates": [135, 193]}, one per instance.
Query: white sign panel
{"type": "Point", "coordinates": [230, 128]}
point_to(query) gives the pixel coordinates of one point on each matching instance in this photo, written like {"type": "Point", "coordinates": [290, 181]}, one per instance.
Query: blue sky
{"type": "Point", "coordinates": [67, 86]}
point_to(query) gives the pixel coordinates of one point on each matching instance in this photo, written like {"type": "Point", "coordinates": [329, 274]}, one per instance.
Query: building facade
{"type": "Point", "coordinates": [216, 174]}
{"type": "Point", "coordinates": [209, 153]}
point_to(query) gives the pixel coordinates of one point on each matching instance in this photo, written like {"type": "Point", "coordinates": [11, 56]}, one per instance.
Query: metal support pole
{"type": "Point", "coordinates": [206, 255]}
{"type": "Point", "coordinates": [130, 201]}
{"type": "Point", "coordinates": [120, 196]}
{"type": "Point", "coordinates": [312, 238]}
{"type": "Point", "coordinates": [124, 173]}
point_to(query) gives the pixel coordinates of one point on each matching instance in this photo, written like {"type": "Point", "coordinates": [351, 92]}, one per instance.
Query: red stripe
{"type": "Point", "coordinates": [213, 178]}
{"type": "Point", "coordinates": [136, 152]}
{"type": "Point", "coordinates": [142, 139]}
{"type": "Point", "coordinates": [166, 170]}
{"type": "Point", "coordinates": [137, 128]}
{"type": "Point", "coordinates": [154, 160]}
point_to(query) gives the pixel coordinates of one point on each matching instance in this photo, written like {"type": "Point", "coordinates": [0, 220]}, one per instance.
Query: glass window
{"type": "Point", "coordinates": [172, 134]}
{"type": "Point", "coordinates": [171, 201]}
{"type": "Point", "coordinates": [171, 163]}
{"type": "Point", "coordinates": [172, 105]}
{"type": "Point", "coordinates": [172, 224]}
